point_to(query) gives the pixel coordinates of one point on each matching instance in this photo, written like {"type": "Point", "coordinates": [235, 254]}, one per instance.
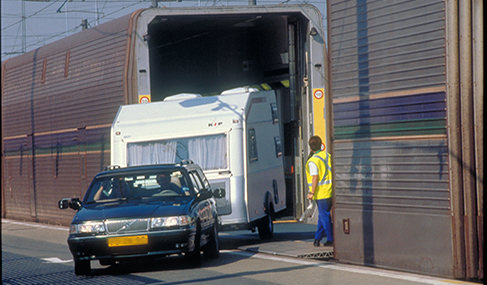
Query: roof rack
{"type": "Point", "coordinates": [112, 167]}
{"type": "Point", "coordinates": [186, 161]}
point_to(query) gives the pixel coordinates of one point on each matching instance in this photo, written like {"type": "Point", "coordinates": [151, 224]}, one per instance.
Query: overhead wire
{"type": "Point", "coordinates": [15, 41]}
{"type": "Point", "coordinates": [77, 27]}
{"type": "Point", "coordinates": [48, 38]}
{"type": "Point", "coordinates": [114, 8]}
{"type": "Point", "coordinates": [30, 16]}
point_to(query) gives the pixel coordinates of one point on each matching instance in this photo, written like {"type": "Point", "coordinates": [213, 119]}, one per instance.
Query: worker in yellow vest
{"type": "Point", "coordinates": [318, 174]}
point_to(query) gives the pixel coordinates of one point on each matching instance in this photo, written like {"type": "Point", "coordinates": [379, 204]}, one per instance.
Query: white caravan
{"type": "Point", "coordinates": [234, 137]}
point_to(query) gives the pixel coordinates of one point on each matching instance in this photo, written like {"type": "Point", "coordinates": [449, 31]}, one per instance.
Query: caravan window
{"type": "Point", "coordinates": [210, 152]}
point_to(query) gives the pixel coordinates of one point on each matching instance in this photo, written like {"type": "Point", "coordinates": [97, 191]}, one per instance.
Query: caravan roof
{"type": "Point", "coordinates": [184, 107]}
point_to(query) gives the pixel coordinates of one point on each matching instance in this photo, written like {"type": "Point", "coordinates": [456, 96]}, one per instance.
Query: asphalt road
{"type": "Point", "coordinates": [38, 254]}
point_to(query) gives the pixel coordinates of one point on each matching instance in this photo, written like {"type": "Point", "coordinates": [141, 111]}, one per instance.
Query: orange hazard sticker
{"type": "Point", "coordinates": [144, 99]}
{"type": "Point", "coordinates": [318, 93]}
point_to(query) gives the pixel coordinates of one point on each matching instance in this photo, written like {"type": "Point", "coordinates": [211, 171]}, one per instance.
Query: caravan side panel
{"type": "Point", "coordinates": [235, 179]}
{"type": "Point", "coordinates": [265, 172]}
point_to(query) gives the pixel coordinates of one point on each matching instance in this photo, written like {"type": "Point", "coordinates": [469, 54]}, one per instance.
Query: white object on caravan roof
{"type": "Point", "coordinates": [182, 96]}
{"type": "Point", "coordinates": [245, 89]}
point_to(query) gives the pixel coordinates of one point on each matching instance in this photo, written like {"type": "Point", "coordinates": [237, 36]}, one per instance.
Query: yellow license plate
{"type": "Point", "coordinates": [127, 241]}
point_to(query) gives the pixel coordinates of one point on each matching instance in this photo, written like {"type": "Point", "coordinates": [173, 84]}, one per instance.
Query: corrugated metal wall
{"type": "Point", "coordinates": [58, 103]}
{"type": "Point", "coordinates": [390, 135]}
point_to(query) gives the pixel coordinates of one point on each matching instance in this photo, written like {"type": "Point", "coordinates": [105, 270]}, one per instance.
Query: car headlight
{"type": "Point", "coordinates": [87, 228]}
{"type": "Point", "coordinates": [170, 221]}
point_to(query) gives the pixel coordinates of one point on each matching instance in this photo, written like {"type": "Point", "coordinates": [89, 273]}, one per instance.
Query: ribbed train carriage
{"type": "Point", "coordinates": [408, 134]}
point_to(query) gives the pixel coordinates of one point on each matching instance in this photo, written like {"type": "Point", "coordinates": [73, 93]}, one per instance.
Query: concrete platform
{"type": "Point", "coordinates": [292, 248]}
{"type": "Point", "coordinates": [292, 239]}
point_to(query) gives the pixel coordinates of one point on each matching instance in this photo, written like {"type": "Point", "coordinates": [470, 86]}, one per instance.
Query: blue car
{"type": "Point", "coordinates": [144, 211]}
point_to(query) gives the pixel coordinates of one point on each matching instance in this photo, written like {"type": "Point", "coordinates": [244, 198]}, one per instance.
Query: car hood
{"type": "Point", "coordinates": [132, 209]}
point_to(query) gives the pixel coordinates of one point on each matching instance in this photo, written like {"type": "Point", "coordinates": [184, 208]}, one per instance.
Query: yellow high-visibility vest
{"type": "Point", "coordinates": [322, 160]}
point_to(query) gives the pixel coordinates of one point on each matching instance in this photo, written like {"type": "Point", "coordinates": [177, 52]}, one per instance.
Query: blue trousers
{"type": "Point", "coordinates": [324, 219]}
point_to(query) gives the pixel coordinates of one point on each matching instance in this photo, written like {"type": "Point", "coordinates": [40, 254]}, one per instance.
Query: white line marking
{"type": "Point", "coordinates": [350, 268]}
{"type": "Point", "coordinates": [36, 225]}
{"type": "Point", "coordinates": [342, 267]}
{"type": "Point", "coordinates": [55, 260]}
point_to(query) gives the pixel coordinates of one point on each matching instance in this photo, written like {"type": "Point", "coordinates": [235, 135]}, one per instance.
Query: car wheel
{"type": "Point", "coordinates": [194, 257]}
{"type": "Point", "coordinates": [266, 226]}
{"type": "Point", "coordinates": [212, 248]}
{"type": "Point", "coordinates": [82, 267]}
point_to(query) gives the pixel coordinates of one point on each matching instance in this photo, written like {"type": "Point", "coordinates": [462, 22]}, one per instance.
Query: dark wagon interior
{"type": "Point", "coordinates": [207, 54]}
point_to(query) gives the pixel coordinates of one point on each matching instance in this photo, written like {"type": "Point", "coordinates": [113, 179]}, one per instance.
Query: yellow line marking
{"type": "Point", "coordinates": [285, 221]}
{"type": "Point", "coordinates": [457, 282]}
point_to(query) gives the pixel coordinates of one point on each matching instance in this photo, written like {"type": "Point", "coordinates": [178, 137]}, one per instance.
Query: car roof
{"type": "Point", "coordinates": [116, 170]}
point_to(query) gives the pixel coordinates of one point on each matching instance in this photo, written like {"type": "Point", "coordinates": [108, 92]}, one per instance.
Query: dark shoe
{"type": "Point", "coordinates": [328, 243]}
{"type": "Point", "coordinates": [316, 243]}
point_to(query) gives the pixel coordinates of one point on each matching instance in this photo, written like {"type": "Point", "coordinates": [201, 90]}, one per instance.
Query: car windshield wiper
{"type": "Point", "coordinates": [107, 200]}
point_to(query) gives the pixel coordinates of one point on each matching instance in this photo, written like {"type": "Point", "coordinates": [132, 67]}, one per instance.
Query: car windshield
{"type": "Point", "coordinates": [158, 185]}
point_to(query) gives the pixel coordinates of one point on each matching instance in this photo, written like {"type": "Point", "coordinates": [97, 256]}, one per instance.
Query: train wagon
{"type": "Point", "coordinates": [407, 81]}
{"type": "Point", "coordinates": [59, 101]}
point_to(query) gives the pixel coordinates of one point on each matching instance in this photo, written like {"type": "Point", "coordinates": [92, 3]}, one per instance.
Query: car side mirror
{"type": "Point", "coordinates": [218, 192]}
{"type": "Point", "coordinates": [203, 194]}
{"type": "Point", "coordinates": [63, 203]}
{"type": "Point", "coordinates": [73, 203]}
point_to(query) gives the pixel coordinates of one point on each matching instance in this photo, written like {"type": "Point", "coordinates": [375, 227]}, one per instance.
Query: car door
{"type": "Point", "coordinates": [212, 201]}
{"type": "Point", "coordinates": [203, 206]}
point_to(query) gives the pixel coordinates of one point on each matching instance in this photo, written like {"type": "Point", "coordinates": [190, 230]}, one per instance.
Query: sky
{"type": "Point", "coordinates": [49, 20]}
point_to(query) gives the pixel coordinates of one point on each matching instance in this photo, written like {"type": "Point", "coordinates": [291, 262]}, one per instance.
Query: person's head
{"type": "Point", "coordinates": [118, 184]}
{"type": "Point", "coordinates": [315, 143]}
{"type": "Point", "coordinates": [164, 179]}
